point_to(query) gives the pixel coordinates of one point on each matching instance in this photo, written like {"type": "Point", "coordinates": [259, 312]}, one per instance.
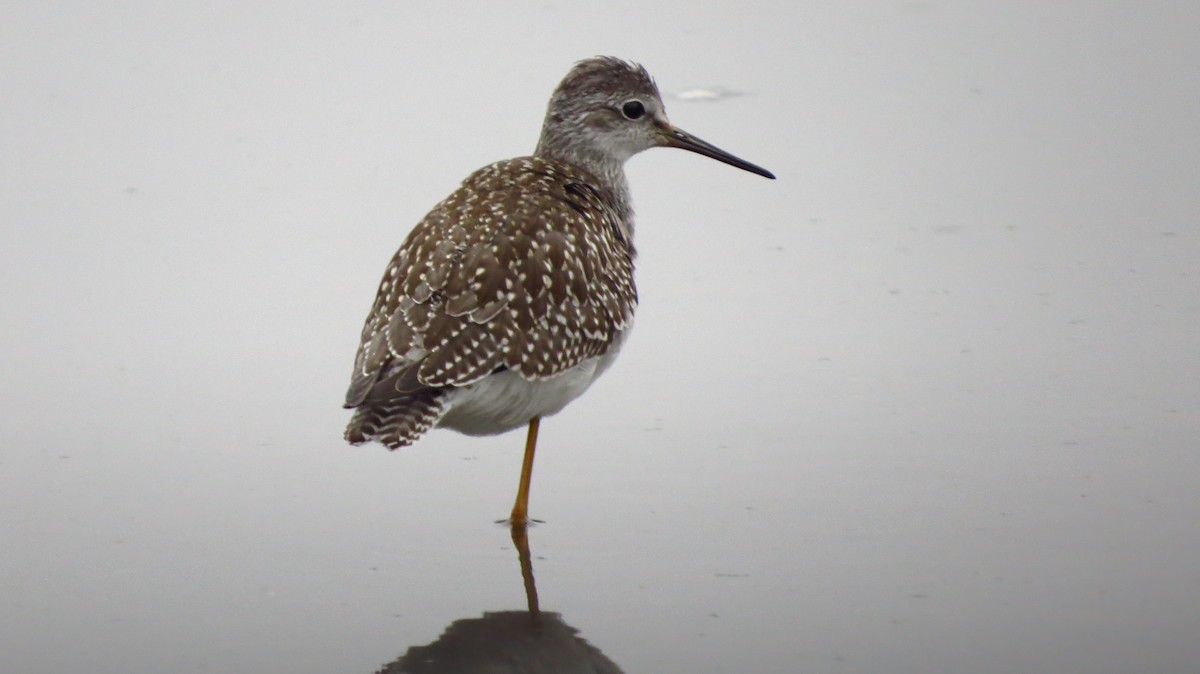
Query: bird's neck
{"type": "Point", "coordinates": [608, 171]}
{"type": "Point", "coordinates": [599, 161]}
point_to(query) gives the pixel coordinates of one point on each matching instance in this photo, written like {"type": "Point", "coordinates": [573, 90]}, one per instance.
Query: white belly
{"type": "Point", "coordinates": [507, 400]}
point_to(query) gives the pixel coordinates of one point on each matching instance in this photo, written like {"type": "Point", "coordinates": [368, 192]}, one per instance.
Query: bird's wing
{"type": "Point", "coordinates": [523, 268]}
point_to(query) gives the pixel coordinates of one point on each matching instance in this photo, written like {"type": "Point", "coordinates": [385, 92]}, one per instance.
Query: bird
{"type": "Point", "coordinates": [516, 292]}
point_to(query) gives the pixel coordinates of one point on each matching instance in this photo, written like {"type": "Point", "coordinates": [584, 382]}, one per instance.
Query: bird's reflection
{"type": "Point", "coordinates": [507, 642]}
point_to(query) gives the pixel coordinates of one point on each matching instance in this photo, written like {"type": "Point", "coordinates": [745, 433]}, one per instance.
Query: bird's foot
{"type": "Point", "coordinates": [516, 522]}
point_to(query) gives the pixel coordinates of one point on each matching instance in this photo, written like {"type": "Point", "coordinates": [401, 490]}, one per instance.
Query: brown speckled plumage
{"type": "Point", "coordinates": [523, 268]}
{"type": "Point", "coordinates": [514, 293]}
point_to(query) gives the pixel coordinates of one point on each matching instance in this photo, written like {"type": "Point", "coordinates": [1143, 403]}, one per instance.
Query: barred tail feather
{"type": "Point", "coordinates": [398, 422]}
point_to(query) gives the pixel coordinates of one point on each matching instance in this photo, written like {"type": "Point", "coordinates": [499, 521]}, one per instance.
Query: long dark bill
{"type": "Point", "coordinates": [676, 137]}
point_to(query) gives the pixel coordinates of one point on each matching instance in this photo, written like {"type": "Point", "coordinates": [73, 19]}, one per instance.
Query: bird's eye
{"type": "Point", "coordinates": [633, 110]}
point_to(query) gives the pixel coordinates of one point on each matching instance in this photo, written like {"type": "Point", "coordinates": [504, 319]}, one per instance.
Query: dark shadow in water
{"type": "Point", "coordinates": [507, 642]}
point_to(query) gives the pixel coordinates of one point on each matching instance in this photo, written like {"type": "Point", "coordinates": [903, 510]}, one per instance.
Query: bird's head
{"type": "Point", "coordinates": [606, 110]}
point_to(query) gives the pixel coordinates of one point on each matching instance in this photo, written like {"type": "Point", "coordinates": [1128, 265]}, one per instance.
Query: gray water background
{"type": "Point", "coordinates": [929, 402]}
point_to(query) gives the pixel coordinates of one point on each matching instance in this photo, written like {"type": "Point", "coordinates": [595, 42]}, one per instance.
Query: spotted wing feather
{"type": "Point", "coordinates": [524, 267]}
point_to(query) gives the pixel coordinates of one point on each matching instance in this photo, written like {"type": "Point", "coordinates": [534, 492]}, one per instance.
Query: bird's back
{"type": "Point", "coordinates": [526, 268]}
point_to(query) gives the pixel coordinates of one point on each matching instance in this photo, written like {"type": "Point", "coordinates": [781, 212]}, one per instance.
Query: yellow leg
{"type": "Point", "coordinates": [520, 511]}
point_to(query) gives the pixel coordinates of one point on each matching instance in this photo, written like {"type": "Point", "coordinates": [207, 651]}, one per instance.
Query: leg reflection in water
{"type": "Point", "coordinates": [507, 642]}
{"type": "Point", "coordinates": [520, 539]}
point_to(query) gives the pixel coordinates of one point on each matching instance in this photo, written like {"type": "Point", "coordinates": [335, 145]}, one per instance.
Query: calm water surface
{"type": "Point", "coordinates": [927, 403]}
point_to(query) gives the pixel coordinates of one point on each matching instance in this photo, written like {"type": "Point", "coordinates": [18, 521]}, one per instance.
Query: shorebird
{"type": "Point", "coordinates": [516, 292]}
